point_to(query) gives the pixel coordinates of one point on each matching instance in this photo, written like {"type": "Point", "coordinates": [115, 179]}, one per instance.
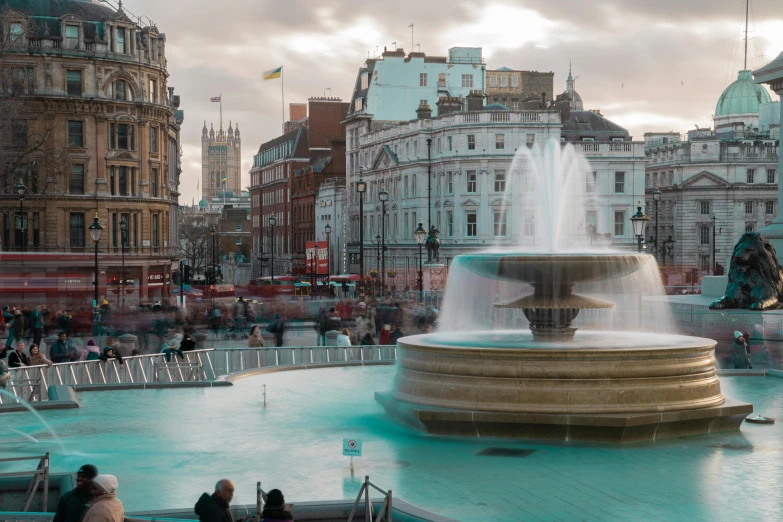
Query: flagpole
{"type": "Point", "coordinates": [282, 99]}
{"type": "Point", "coordinates": [221, 111]}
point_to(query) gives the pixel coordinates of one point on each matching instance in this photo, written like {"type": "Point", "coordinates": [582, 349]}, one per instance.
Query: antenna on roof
{"type": "Point", "coordinates": [411, 26]}
{"type": "Point", "coordinates": [395, 45]}
{"type": "Point", "coordinates": [419, 47]}
{"type": "Point", "coordinates": [747, 7]}
{"type": "Point", "coordinates": [328, 89]}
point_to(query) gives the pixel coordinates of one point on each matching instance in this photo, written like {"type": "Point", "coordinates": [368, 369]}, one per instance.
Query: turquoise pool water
{"type": "Point", "coordinates": [168, 446]}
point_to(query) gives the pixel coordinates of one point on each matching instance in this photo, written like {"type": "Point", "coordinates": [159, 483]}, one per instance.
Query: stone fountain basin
{"type": "Point", "coordinates": [601, 387]}
{"type": "Point", "coordinates": [597, 372]}
{"type": "Point", "coordinates": [547, 268]}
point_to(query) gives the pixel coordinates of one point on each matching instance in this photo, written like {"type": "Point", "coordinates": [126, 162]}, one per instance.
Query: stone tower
{"type": "Point", "coordinates": [221, 157]}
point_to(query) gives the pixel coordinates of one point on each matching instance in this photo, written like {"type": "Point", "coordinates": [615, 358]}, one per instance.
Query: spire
{"type": "Point", "coordinates": [570, 80]}
{"type": "Point", "coordinates": [747, 5]}
{"type": "Point", "coordinates": [237, 131]}
{"type": "Point", "coordinates": [569, 70]}
{"type": "Point", "coordinates": [230, 129]}
{"type": "Point", "coordinates": [204, 130]}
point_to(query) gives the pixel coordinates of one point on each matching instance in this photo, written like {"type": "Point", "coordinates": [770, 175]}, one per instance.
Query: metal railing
{"type": "Point", "coordinates": [384, 513]}
{"type": "Point", "coordinates": [40, 474]}
{"type": "Point", "coordinates": [31, 383]}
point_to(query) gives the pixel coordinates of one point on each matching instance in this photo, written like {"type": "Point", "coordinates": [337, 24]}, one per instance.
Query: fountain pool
{"type": "Point", "coordinates": [167, 446]}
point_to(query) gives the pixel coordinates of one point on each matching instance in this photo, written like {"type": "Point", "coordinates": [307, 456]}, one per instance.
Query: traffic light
{"type": "Point", "coordinates": [186, 274]}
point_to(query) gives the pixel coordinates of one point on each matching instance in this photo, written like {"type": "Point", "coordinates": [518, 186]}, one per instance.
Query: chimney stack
{"type": "Point", "coordinates": [476, 101]}
{"type": "Point", "coordinates": [448, 105]}
{"type": "Point", "coordinates": [424, 112]}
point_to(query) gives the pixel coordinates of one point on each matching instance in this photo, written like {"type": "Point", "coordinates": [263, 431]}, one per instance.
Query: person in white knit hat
{"type": "Point", "coordinates": [104, 506]}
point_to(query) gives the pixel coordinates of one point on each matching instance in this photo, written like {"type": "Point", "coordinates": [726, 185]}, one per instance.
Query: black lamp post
{"type": "Point", "coordinates": [714, 230]}
{"type": "Point", "coordinates": [421, 236]}
{"type": "Point", "coordinates": [20, 190]}
{"type": "Point", "coordinates": [377, 258]}
{"type": "Point", "coordinates": [639, 222]}
{"type": "Point", "coordinates": [656, 197]}
{"type": "Point", "coordinates": [123, 230]}
{"type": "Point", "coordinates": [384, 197]}
{"type": "Point", "coordinates": [272, 221]}
{"type": "Point", "coordinates": [669, 245]}
{"type": "Point", "coordinates": [213, 231]}
{"type": "Point", "coordinates": [361, 188]}
{"type": "Point", "coordinates": [95, 231]}
{"type": "Point", "coordinates": [328, 230]}
{"type": "Point", "coordinates": [429, 185]}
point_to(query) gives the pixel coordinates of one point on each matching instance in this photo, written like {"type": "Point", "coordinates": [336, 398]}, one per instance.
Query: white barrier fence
{"type": "Point", "coordinates": [31, 383]}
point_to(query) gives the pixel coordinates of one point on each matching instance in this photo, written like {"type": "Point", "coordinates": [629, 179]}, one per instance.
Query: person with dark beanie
{"type": "Point", "coordinates": [274, 509]}
{"type": "Point", "coordinates": [74, 503]}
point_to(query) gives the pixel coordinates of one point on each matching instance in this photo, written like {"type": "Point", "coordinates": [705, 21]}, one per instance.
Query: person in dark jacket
{"type": "Point", "coordinates": [17, 358]}
{"type": "Point", "coordinates": [61, 351]}
{"type": "Point", "coordinates": [187, 344]}
{"type": "Point", "coordinates": [108, 353]}
{"type": "Point", "coordinates": [215, 507]}
{"type": "Point", "coordinates": [274, 509]}
{"type": "Point", "coordinates": [396, 334]}
{"type": "Point", "coordinates": [74, 503]}
{"type": "Point", "coordinates": [739, 352]}
{"type": "Point", "coordinates": [277, 327]}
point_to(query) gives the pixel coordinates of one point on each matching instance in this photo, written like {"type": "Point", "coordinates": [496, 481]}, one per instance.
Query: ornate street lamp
{"type": "Point", "coordinates": [123, 230]}
{"type": "Point", "coordinates": [361, 188]}
{"type": "Point", "coordinates": [669, 249]}
{"type": "Point", "coordinates": [20, 190]}
{"type": "Point", "coordinates": [272, 221]}
{"type": "Point", "coordinates": [421, 237]}
{"type": "Point", "coordinates": [95, 231]}
{"type": "Point", "coordinates": [328, 230]}
{"type": "Point", "coordinates": [639, 222]}
{"type": "Point", "coordinates": [656, 197]}
{"type": "Point", "coordinates": [213, 231]}
{"type": "Point", "coordinates": [383, 195]}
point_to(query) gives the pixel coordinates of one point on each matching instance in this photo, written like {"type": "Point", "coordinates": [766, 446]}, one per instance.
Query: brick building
{"type": "Point", "coordinates": [511, 88]}
{"type": "Point", "coordinates": [285, 179]}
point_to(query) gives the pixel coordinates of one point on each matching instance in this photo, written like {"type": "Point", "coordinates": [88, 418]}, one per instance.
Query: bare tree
{"type": "Point", "coordinates": [194, 241]}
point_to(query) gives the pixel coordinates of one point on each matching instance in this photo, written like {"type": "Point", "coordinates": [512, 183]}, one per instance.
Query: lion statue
{"type": "Point", "coordinates": [755, 281]}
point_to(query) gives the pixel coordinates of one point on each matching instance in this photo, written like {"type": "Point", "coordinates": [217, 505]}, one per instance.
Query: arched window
{"type": "Point", "coordinates": [120, 90]}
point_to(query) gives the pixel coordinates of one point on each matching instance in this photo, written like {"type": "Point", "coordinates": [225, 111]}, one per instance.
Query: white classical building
{"type": "Point", "coordinates": [330, 210]}
{"type": "Point", "coordinates": [715, 184]}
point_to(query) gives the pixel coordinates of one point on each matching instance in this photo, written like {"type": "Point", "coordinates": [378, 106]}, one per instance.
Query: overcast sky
{"type": "Point", "coordinates": [647, 65]}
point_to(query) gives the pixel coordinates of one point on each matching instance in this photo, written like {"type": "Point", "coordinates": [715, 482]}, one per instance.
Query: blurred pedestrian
{"type": "Point", "coordinates": [108, 355]}
{"type": "Point", "coordinates": [37, 358]}
{"type": "Point", "coordinates": [17, 358]}
{"type": "Point", "coordinates": [277, 328]}
{"type": "Point", "coordinates": [216, 507]}
{"type": "Point", "coordinates": [61, 350]}
{"type": "Point", "coordinates": [739, 352]}
{"type": "Point", "coordinates": [91, 352]}
{"type": "Point", "coordinates": [255, 340]}
{"type": "Point", "coordinates": [274, 508]}
{"type": "Point", "coordinates": [385, 336]}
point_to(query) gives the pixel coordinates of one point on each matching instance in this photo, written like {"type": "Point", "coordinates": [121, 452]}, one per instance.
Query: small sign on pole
{"type": "Point", "coordinates": [352, 448]}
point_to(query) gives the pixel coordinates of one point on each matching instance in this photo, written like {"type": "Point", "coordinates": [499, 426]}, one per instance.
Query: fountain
{"type": "Point", "coordinates": [553, 382]}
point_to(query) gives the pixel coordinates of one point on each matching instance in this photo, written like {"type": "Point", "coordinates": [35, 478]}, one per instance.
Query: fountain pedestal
{"type": "Point", "coordinates": [600, 387]}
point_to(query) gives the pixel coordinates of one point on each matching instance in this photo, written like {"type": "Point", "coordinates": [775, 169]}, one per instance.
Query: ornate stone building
{"type": "Point", "coordinates": [715, 184]}
{"type": "Point", "coordinates": [512, 88]}
{"type": "Point", "coordinates": [89, 128]}
{"type": "Point", "coordinates": [221, 161]}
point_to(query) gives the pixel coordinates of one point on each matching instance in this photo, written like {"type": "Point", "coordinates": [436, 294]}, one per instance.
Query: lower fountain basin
{"type": "Point", "coordinates": [605, 385]}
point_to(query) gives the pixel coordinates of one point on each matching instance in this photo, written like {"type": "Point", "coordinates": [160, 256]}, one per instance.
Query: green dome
{"type": "Point", "coordinates": [742, 97]}
{"type": "Point", "coordinates": [203, 203]}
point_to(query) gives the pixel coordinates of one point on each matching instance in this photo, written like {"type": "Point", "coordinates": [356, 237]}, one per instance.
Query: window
{"type": "Point", "coordinates": [493, 81]}
{"type": "Point", "coordinates": [19, 132]}
{"type": "Point", "coordinates": [748, 207]}
{"type": "Point", "coordinates": [449, 183]}
{"type": "Point", "coordinates": [36, 229]}
{"type": "Point", "coordinates": [406, 232]}
{"type": "Point", "coordinates": [153, 91]}
{"type": "Point", "coordinates": [449, 223]}
{"type": "Point", "coordinates": [704, 262]}
{"type": "Point", "coordinates": [121, 136]}
{"type": "Point", "coordinates": [515, 105]}
{"type": "Point", "coordinates": [471, 222]}
{"type": "Point", "coordinates": [77, 230]}
{"type": "Point", "coordinates": [16, 33]}
{"type": "Point", "coordinates": [771, 175]}
{"type": "Point", "coordinates": [530, 140]}
{"type": "Point", "coordinates": [467, 81]}
{"type": "Point", "coordinates": [358, 104]}
{"type": "Point", "coordinates": [76, 181]}
{"type": "Point", "coordinates": [74, 83]}
{"type": "Point", "coordinates": [76, 133]}
{"type": "Point", "coordinates": [439, 146]}
{"type": "Point", "coordinates": [448, 142]}
{"type": "Point", "coordinates": [504, 81]}
{"type": "Point", "coordinates": [441, 79]}
{"type": "Point", "coordinates": [422, 79]}
{"type": "Point", "coordinates": [590, 182]}
{"type": "Point", "coordinates": [704, 235]}
{"type": "Point", "coordinates": [751, 175]}
{"type": "Point", "coordinates": [71, 36]}
{"type": "Point", "coordinates": [120, 40]}
{"type": "Point", "coordinates": [153, 139]}
{"type": "Point", "coordinates": [405, 185]}
{"type": "Point", "coordinates": [365, 80]}
{"type": "Point", "coordinates": [515, 81]}
{"type": "Point", "coordinates": [769, 208]}
{"type": "Point", "coordinates": [749, 227]}
{"type": "Point", "coordinates": [619, 182]}
{"type": "Point", "coordinates": [18, 80]}
{"type": "Point", "coordinates": [471, 142]}
{"type": "Point", "coordinates": [591, 221]}
{"type": "Point", "coordinates": [619, 223]}
{"type": "Point", "coordinates": [500, 181]}
{"type": "Point", "coordinates": [413, 185]}
{"type": "Point", "coordinates": [500, 141]}
{"type": "Point", "coordinates": [470, 177]}
{"type": "Point", "coordinates": [704, 208]}
{"type": "Point", "coordinates": [123, 181]}
{"type": "Point", "coordinates": [238, 228]}
{"type": "Point", "coordinates": [155, 230]}
{"type": "Point", "coordinates": [499, 223]}
{"type": "Point", "coordinates": [112, 180]}
{"type": "Point", "coordinates": [154, 183]}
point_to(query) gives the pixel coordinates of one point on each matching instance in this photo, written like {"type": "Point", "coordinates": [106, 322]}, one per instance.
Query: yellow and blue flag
{"type": "Point", "coordinates": [273, 73]}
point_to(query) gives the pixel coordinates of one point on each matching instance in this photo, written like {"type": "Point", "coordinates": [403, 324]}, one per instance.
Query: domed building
{"type": "Point", "coordinates": [740, 103]}
{"type": "Point", "coordinates": [570, 92]}
{"type": "Point", "coordinates": [91, 129]}
{"type": "Point", "coordinates": [715, 184]}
